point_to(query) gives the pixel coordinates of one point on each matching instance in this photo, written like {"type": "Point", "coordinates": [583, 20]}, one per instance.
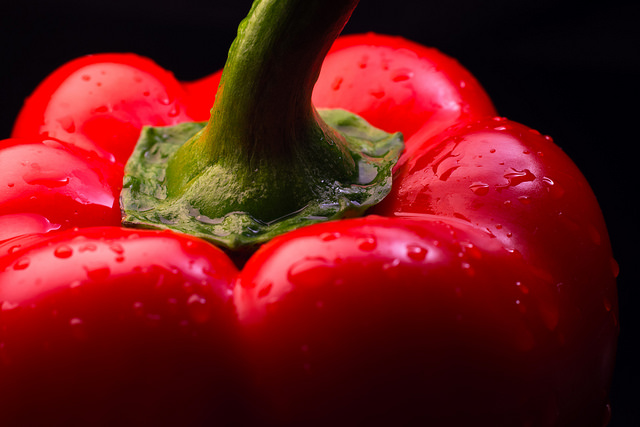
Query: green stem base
{"type": "Point", "coordinates": [146, 202]}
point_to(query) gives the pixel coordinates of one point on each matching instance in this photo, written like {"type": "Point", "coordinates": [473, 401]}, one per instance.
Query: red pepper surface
{"type": "Point", "coordinates": [481, 291]}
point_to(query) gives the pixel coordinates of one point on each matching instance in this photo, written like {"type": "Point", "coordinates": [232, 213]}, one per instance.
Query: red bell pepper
{"type": "Point", "coordinates": [480, 291]}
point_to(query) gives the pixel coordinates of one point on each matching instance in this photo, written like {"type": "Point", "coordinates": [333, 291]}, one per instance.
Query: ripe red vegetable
{"type": "Point", "coordinates": [480, 291]}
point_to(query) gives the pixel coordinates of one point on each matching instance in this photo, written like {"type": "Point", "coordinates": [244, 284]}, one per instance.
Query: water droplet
{"type": "Point", "coordinates": [311, 272]}
{"type": "Point", "coordinates": [198, 308]}
{"type": "Point", "coordinates": [525, 200]}
{"type": "Point", "coordinates": [63, 251]}
{"type": "Point", "coordinates": [367, 244]}
{"type": "Point", "coordinates": [615, 268]}
{"type": "Point", "coordinates": [416, 252]}
{"type": "Point", "coordinates": [21, 264]}
{"type": "Point", "coordinates": [327, 237]}
{"type": "Point", "coordinates": [471, 250]}
{"type": "Point", "coordinates": [117, 248]}
{"type": "Point", "coordinates": [493, 150]}
{"type": "Point", "coordinates": [362, 63]}
{"type": "Point", "coordinates": [401, 75]}
{"type": "Point", "coordinates": [337, 83]}
{"type": "Point", "coordinates": [86, 77]}
{"type": "Point", "coordinates": [265, 290]}
{"type": "Point", "coordinates": [606, 418]}
{"type": "Point", "coordinates": [522, 288]}
{"type": "Point", "coordinates": [51, 179]}
{"type": "Point", "coordinates": [67, 124]}
{"type": "Point", "coordinates": [554, 190]}
{"type": "Point", "coordinates": [392, 269]}
{"type": "Point", "coordinates": [466, 267]}
{"type": "Point", "coordinates": [479, 188]}
{"type": "Point", "coordinates": [10, 184]}
{"type": "Point", "coordinates": [88, 247]}
{"type": "Point", "coordinates": [98, 273]}
{"type": "Point", "coordinates": [377, 93]}
{"type": "Point", "coordinates": [174, 111]}
{"type": "Point", "coordinates": [78, 329]}
{"type": "Point", "coordinates": [164, 99]}
{"type": "Point", "coordinates": [7, 306]}
{"type": "Point", "coordinates": [518, 177]}
{"type": "Point", "coordinates": [462, 84]}
{"type": "Point", "coordinates": [102, 109]}
{"type": "Point", "coordinates": [138, 308]}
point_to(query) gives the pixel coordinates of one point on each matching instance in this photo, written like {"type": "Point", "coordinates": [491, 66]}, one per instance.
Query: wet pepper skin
{"type": "Point", "coordinates": [480, 292]}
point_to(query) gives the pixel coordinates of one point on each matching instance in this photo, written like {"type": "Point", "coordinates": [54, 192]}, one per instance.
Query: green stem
{"type": "Point", "coordinates": [266, 162]}
{"type": "Point", "coordinates": [264, 129]}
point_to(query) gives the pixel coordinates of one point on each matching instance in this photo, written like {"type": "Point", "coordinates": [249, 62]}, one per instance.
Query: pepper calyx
{"type": "Point", "coordinates": [147, 203]}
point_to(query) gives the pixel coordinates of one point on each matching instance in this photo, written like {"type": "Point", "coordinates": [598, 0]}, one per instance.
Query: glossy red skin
{"type": "Point", "coordinates": [398, 322]}
{"type": "Point", "coordinates": [100, 102]}
{"type": "Point", "coordinates": [399, 86]}
{"type": "Point", "coordinates": [56, 186]}
{"type": "Point", "coordinates": [109, 326]}
{"type": "Point", "coordinates": [523, 190]}
{"type": "Point", "coordinates": [528, 346]}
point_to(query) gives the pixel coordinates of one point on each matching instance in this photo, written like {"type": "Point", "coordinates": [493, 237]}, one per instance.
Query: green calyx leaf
{"type": "Point", "coordinates": [147, 203]}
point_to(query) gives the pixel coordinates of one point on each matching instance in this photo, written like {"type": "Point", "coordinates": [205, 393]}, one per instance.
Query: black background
{"type": "Point", "coordinates": [566, 68]}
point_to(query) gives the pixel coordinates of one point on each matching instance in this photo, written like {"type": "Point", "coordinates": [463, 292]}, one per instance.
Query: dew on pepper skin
{"type": "Point", "coordinates": [479, 188]}
{"type": "Point", "coordinates": [416, 252]}
{"type": "Point", "coordinates": [377, 92]}
{"type": "Point", "coordinates": [615, 268]}
{"type": "Point", "coordinates": [21, 264]}
{"type": "Point", "coordinates": [327, 237]}
{"type": "Point", "coordinates": [554, 190]}
{"type": "Point", "coordinates": [522, 288]}
{"type": "Point", "coordinates": [138, 308]}
{"type": "Point", "coordinates": [518, 177]}
{"type": "Point", "coordinates": [198, 308]}
{"type": "Point", "coordinates": [337, 82]}
{"type": "Point", "coordinates": [63, 251]}
{"type": "Point", "coordinates": [367, 244]}
{"type": "Point", "coordinates": [67, 124]}
{"type": "Point", "coordinates": [8, 306]}
{"type": "Point", "coordinates": [392, 269]}
{"type": "Point", "coordinates": [174, 111]}
{"type": "Point", "coordinates": [311, 272]}
{"type": "Point", "coordinates": [468, 269]}
{"type": "Point", "coordinates": [98, 273]}
{"type": "Point", "coordinates": [262, 293]}
{"type": "Point", "coordinates": [78, 328]}
{"type": "Point", "coordinates": [117, 248]}
{"type": "Point", "coordinates": [89, 247]}
{"type": "Point", "coordinates": [401, 75]}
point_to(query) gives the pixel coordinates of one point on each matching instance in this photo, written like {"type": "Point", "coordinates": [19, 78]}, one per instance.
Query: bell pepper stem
{"type": "Point", "coordinates": [263, 121]}
{"type": "Point", "coordinates": [267, 161]}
